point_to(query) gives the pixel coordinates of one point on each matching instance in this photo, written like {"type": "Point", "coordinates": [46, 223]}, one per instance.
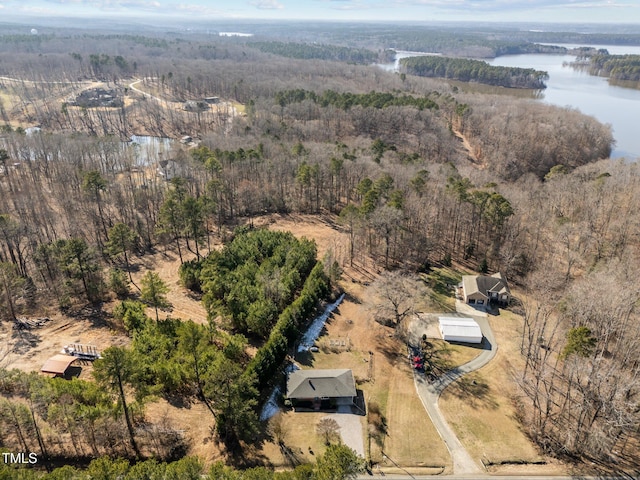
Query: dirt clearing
{"type": "Point", "coordinates": [29, 349]}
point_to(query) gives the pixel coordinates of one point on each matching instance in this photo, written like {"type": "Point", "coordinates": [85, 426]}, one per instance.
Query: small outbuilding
{"type": "Point", "coordinates": [458, 329]}
{"type": "Point", "coordinates": [321, 389]}
{"type": "Point", "coordinates": [58, 365]}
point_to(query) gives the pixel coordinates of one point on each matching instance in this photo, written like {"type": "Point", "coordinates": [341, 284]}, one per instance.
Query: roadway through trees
{"type": "Point", "coordinates": [429, 394]}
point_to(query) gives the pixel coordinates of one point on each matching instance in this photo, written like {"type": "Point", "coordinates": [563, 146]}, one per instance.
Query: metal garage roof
{"type": "Point", "coordinates": [459, 327]}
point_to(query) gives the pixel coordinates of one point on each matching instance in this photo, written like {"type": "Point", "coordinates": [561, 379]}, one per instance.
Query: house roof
{"type": "Point", "coordinates": [321, 383]}
{"type": "Point", "coordinates": [58, 364]}
{"type": "Point", "coordinates": [485, 283]}
{"type": "Point", "coordinates": [459, 327]}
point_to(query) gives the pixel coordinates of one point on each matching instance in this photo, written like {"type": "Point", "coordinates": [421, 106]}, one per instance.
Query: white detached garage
{"type": "Point", "coordinates": [458, 329]}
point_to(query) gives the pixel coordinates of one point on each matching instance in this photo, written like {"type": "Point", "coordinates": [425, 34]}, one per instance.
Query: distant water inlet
{"type": "Point", "coordinates": [271, 406]}
{"type": "Point", "coordinates": [149, 149]}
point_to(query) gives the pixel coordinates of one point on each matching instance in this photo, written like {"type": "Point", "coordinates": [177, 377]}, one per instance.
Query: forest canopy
{"type": "Point", "coordinates": [616, 67]}
{"type": "Point", "coordinates": [467, 70]}
{"type": "Point", "coordinates": [255, 277]}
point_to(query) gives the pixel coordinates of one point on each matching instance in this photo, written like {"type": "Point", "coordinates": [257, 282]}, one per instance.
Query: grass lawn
{"type": "Point", "coordinates": [439, 281]}
{"type": "Point", "coordinates": [412, 440]}
{"type": "Point", "coordinates": [479, 406]}
{"type": "Point", "coordinates": [451, 355]}
{"type": "Point", "coordinates": [300, 436]}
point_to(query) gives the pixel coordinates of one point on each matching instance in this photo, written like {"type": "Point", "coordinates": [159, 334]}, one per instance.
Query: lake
{"type": "Point", "coordinates": [567, 87]}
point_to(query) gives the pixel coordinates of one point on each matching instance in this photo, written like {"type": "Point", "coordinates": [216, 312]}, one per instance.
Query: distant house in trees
{"type": "Point", "coordinates": [484, 289]}
{"type": "Point", "coordinates": [195, 106]}
{"type": "Point", "coordinates": [321, 389]}
{"type": "Point", "coordinates": [169, 169]}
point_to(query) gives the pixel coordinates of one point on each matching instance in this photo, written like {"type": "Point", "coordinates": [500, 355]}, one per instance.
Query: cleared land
{"type": "Point", "coordinates": [480, 409]}
{"type": "Point", "coordinates": [481, 413]}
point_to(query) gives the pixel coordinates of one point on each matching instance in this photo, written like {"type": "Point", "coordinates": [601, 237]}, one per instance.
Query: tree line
{"type": "Point", "coordinates": [339, 462]}
{"type": "Point", "coordinates": [345, 101]}
{"type": "Point", "coordinates": [254, 278]}
{"type": "Point", "coordinates": [467, 70]}
{"type": "Point", "coordinates": [321, 52]}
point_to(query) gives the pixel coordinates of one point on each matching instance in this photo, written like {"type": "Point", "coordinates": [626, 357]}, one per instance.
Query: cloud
{"type": "Point", "coordinates": [356, 4]}
{"type": "Point", "coordinates": [513, 5]}
{"type": "Point", "coordinates": [267, 4]}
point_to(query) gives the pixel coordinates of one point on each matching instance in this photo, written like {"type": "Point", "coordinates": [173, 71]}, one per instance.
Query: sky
{"type": "Point", "coordinates": [560, 11]}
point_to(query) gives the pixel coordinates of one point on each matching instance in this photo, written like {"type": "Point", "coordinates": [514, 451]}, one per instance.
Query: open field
{"type": "Point", "coordinates": [26, 103]}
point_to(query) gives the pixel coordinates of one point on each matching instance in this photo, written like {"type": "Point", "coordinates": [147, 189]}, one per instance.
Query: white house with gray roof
{"type": "Point", "coordinates": [483, 289]}
{"type": "Point", "coordinates": [321, 389]}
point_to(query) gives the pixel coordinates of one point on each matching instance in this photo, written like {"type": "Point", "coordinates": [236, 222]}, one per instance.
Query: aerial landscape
{"type": "Point", "coordinates": [319, 239]}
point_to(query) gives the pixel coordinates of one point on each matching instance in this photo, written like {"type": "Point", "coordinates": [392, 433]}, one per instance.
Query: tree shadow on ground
{"type": "Point", "coordinates": [93, 313]}
{"type": "Point", "coordinates": [305, 358]}
{"type": "Point", "coordinates": [180, 401]}
{"type": "Point", "coordinates": [350, 298]}
{"type": "Point", "coordinates": [24, 340]}
{"type": "Point", "coordinates": [391, 347]}
{"type": "Point", "coordinates": [249, 455]}
{"type": "Point", "coordinates": [442, 282]}
{"type": "Point", "coordinates": [292, 456]}
{"type": "Point", "coordinates": [474, 391]}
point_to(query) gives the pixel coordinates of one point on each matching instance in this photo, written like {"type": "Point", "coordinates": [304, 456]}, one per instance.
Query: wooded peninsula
{"type": "Point", "coordinates": [467, 70]}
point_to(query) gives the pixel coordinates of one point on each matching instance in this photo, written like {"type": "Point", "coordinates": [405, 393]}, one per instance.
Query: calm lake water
{"type": "Point", "coordinates": [566, 87]}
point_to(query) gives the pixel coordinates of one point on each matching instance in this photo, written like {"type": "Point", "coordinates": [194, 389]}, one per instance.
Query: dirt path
{"type": "Point", "coordinates": [469, 149]}
{"type": "Point", "coordinates": [143, 93]}
{"type": "Point", "coordinates": [430, 393]}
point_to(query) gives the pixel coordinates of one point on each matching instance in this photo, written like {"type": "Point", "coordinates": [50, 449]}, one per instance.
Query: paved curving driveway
{"type": "Point", "coordinates": [429, 394]}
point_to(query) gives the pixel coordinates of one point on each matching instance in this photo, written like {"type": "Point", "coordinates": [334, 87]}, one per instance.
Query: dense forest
{"type": "Point", "coordinates": [324, 52]}
{"type": "Point", "coordinates": [615, 67]}
{"type": "Point", "coordinates": [531, 194]}
{"type": "Point", "coordinates": [467, 70]}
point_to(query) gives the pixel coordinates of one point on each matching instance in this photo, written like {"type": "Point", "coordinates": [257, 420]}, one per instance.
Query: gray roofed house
{"type": "Point", "coordinates": [321, 389]}
{"type": "Point", "coordinates": [482, 289]}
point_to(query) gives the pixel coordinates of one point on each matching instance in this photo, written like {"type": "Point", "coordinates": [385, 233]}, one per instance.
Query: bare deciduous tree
{"type": "Point", "coordinates": [328, 429]}
{"type": "Point", "coordinates": [396, 295]}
